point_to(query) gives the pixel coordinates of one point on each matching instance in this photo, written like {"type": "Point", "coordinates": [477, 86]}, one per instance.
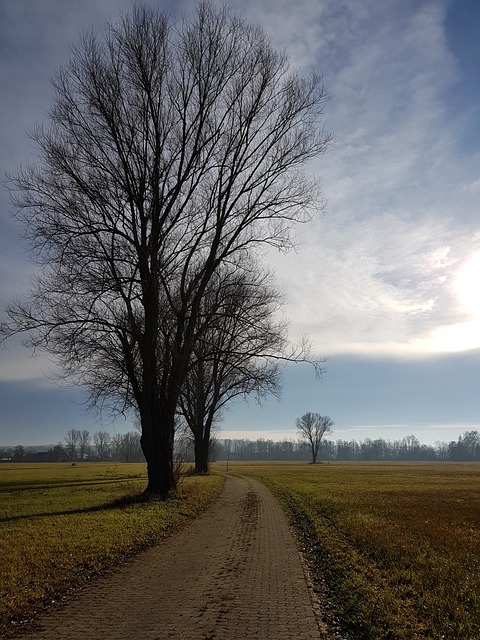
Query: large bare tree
{"type": "Point", "coordinates": [170, 150]}
{"type": "Point", "coordinates": [236, 352]}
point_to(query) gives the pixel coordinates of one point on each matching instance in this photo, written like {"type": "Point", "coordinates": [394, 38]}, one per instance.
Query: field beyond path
{"type": "Point", "coordinates": [234, 572]}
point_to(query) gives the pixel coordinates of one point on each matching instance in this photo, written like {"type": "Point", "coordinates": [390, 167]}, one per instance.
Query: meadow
{"type": "Point", "coordinates": [62, 524]}
{"type": "Point", "coordinates": [396, 547]}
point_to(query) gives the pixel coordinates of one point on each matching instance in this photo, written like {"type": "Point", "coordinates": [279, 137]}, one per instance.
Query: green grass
{"type": "Point", "coordinates": [60, 525]}
{"type": "Point", "coordinates": [398, 544]}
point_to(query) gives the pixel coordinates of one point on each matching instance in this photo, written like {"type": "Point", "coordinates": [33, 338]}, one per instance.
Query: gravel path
{"type": "Point", "coordinates": [233, 573]}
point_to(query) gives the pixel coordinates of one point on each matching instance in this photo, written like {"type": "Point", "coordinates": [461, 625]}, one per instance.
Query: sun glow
{"type": "Point", "coordinates": [463, 335]}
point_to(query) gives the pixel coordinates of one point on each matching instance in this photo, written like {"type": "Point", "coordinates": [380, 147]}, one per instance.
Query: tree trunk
{"type": "Point", "coordinates": [157, 446]}
{"type": "Point", "coordinates": [202, 446]}
{"type": "Point", "coordinates": [161, 480]}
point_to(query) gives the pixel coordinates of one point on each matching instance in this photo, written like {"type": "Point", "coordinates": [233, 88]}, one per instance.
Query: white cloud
{"type": "Point", "coordinates": [379, 285]}
{"type": "Point", "coordinates": [375, 274]}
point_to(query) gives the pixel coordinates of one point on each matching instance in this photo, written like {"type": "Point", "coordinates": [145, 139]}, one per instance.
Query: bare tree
{"type": "Point", "coordinates": [18, 453]}
{"type": "Point", "coordinates": [116, 446]}
{"type": "Point", "coordinates": [171, 150]}
{"type": "Point", "coordinates": [84, 444]}
{"type": "Point", "coordinates": [236, 352]}
{"type": "Point", "coordinates": [312, 427]}
{"type": "Point", "coordinates": [56, 453]}
{"type": "Point", "coordinates": [72, 440]}
{"type": "Point", "coordinates": [470, 442]}
{"type": "Point", "coordinates": [130, 447]}
{"type": "Point", "coordinates": [101, 441]}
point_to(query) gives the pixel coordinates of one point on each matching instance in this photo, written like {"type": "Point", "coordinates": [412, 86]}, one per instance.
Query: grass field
{"type": "Point", "coordinates": [398, 544]}
{"type": "Point", "coordinates": [62, 524]}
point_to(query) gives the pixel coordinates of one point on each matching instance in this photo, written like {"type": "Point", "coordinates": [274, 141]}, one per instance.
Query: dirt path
{"type": "Point", "coordinates": [234, 573]}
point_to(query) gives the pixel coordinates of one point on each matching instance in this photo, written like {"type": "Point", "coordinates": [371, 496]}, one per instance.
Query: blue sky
{"type": "Point", "coordinates": [386, 283]}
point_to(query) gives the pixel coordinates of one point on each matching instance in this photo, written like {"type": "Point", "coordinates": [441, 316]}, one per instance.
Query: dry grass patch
{"type": "Point", "coordinates": [399, 544]}
{"type": "Point", "coordinates": [62, 524]}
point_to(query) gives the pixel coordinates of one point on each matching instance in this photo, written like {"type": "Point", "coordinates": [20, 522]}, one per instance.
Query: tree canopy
{"type": "Point", "coordinates": [312, 427]}
{"type": "Point", "coordinates": [171, 151]}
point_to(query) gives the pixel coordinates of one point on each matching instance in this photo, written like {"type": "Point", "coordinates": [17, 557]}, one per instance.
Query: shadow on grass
{"type": "Point", "coordinates": [117, 503]}
{"type": "Point", "coordinates": [64, 484]}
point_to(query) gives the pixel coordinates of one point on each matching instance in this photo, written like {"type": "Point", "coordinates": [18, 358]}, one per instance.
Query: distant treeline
{"type": "Point", "coordinates": [465, 449]}
{"type": "Point", "coordinates": [81, 445]}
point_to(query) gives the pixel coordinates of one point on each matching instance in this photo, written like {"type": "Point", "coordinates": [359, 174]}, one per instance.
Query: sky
{"type": "Point", "coordinates": [386, 283]}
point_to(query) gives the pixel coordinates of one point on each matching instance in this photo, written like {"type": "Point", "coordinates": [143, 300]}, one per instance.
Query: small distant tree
{"type": "Point", "coordinates": [311, 427]}
{"type": "Point", "coordinates": [18, 453]}
{"type": "Point", "coordinates": [116, 446]}
{"type": "Point", "coordinates": [101, 441]}
{"type": "Point", "coordinates": [84, 444]}
{"type": "Point", "coordinates": [130, 447]}
{"type": "Point", "coordinates": [56, 453]}
{"type": "Point", "coordinates": [470, 442]}
{"type": "Point", "coordinates": [72, 440]}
